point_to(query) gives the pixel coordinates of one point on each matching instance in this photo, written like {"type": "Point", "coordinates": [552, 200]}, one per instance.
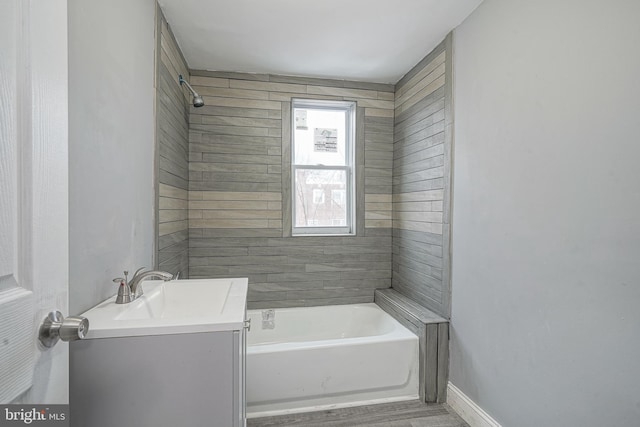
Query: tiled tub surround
{"type": "Point", "coordinates": [291, 361]}
{"type": "Point", "coordinates": [421, 181]}
{"type": "Point", "coordinates": [239, 191]}
{"type": "Point", "coordinates": [229, 201]}
{"type": "Point", "coordinates": [172, 138]}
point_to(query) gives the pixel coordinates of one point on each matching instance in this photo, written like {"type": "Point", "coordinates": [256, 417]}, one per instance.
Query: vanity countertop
{"type": "Point", "coordinates": [173, 307]}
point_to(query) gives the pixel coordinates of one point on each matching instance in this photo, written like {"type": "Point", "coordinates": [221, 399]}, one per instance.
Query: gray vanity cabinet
{"type": "Point", "coordinates": [191, 379]}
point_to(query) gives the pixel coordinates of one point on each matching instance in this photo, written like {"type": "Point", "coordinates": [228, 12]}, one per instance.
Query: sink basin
{"type": "Point", "coordinates": [177, 306]}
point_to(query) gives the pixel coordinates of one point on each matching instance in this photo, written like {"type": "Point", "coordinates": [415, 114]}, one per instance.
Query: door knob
{"type": "Point", "coordinates": [55, 327]}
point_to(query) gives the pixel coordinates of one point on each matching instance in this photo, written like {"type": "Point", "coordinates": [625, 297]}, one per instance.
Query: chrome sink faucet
{"type": "Point", "coordinates": [132, 290]}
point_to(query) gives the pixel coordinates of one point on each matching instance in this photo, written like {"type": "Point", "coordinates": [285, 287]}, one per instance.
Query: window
{"type": "Point", "coordinates": [322, 167]}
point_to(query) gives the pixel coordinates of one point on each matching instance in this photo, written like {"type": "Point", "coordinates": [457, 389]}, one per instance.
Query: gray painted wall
{"type": "Point", "coordinates": [111, 139]}
{"type": "Point", "coordinates": [421, 181]}
{"type": "Point", "coordinates": [239, 198]}
{"type": "Point", "coordinates": [546, 230]}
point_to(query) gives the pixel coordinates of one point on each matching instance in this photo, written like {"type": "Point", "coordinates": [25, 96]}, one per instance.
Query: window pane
{"type": "Point", "coordinates": [319, 137]}
{"type": "Point", "coordinates": [320, 197]}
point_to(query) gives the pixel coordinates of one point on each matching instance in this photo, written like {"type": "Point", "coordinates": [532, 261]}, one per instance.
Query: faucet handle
{"type": "Point", "coordinates": [124, 279]}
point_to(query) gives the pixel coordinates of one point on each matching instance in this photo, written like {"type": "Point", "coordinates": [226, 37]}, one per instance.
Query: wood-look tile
{"type": "Point", "coordinates": [421, 74]}
{"type": "Point", "coordinates": [241, 103]}
{"type": "Point", "coordinates": [231, 92]}
{"type": "Point", "coordinates": [268, 86]}
{"type": "Point", "coordinates": [239, 180]}
{"type": "Point", "coordinates": [172, 227]}
{"type": "Point", "coordinates": [340, 91]}
{"type": "Point", "coordinates": [196, 80]}
{"type": "Point", "coordinates": [379, 112]}
{"type": "Point", "coordinates": [426, 91]}
{"type": "Point", "coordinates": [371, 103]}
{"type": "Point", "coordinates": [286, 96]}
{"type": "Point", "coordinates": [172, 131]}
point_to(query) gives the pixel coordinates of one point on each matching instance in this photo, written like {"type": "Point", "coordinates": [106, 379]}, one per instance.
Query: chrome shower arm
{"type": "Point", "coordinates": [197, 99]}
{"type": "Point", "coordinates": [183, 81]}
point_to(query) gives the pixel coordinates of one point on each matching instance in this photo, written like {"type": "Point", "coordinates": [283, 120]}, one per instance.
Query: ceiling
{"type": "Point", "coordinates": [367, 40]}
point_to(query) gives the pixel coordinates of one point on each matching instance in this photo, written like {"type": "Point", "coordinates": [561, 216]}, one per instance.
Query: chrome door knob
{"type": "Point", "coordinates": [55, 327]}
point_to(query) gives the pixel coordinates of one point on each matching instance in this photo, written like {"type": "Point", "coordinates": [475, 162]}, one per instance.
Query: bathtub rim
{"type": "Point", "coordinates": [397, 332]}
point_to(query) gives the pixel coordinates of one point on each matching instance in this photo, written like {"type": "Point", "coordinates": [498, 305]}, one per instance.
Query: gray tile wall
{"type": "Point", "coordinates": [421, 181]}
{"type": "Point", "coordinates": [224, 208]}
{"type": "Point", "coordinates": [172, 136]}
{"type": "Point", "coordinates": [239, 191]}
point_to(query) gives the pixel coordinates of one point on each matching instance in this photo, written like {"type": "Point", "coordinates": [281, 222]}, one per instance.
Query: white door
{"type": "Point", "coordinates": [33, 198]}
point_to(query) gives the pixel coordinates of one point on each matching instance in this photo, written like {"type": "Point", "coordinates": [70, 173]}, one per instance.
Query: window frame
{"type": "Point", "coordinates": [349, 107]}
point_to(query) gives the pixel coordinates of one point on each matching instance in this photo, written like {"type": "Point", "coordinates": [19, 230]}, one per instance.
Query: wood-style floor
{"type": "Point", "coordinates": [399, 414]}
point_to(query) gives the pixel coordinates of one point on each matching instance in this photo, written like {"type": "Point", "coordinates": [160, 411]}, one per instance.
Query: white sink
{"type": "Point", "coordinates": [177, 306]}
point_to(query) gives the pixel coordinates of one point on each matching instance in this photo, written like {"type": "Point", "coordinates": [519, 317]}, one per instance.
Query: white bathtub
{"type": "Point", "coordinates": [327, 357]}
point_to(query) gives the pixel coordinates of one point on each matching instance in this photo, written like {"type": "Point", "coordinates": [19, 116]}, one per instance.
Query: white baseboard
{"type": "Point", "coordinates": [468, 409]}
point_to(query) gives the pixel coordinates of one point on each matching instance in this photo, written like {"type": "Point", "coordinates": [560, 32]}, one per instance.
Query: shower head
{"type": "Point", "coordinates": [197, 99]}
